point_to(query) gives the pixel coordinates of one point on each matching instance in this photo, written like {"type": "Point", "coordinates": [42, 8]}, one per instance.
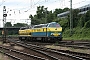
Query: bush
{"type": "Point", "coordinates": [66, 32]}
{"type": "Point", "coordinates": [64, 23]}
{"type": "Point", "coordinates": [87, 24]}
{"type": "Point", "coordinates": [78, 34]}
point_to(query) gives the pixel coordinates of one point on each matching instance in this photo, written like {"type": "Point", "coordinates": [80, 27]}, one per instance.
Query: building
{"type": "Point", "coordinates": [82, 10]}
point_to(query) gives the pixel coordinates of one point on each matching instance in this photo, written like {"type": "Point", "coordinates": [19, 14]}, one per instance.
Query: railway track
{"type": "Point", "coordinates": [48, 54]}
{"type": "Point", "coordinates": [18, 54]}
{"type": "Point", "coordinates": [79, 45]}
{"type": "Point", "coordinates": [57, 54]}
{"type": "Point", "coordinates": [44, 57]}
{"type": "Point", "coordinates": [76, 46]}
{"type": "Point", "coordinates": [80, 56]}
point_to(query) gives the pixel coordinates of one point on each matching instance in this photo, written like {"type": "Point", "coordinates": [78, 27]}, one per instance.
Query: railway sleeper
{"type": "Point", "coordinates": [24, 54]}
{"type": "Point", "coordinates": [73, 56]}
{"type": "Point", "coordinates": [11, 55]}
{"type": "Point", "coordinates": [52, 57]}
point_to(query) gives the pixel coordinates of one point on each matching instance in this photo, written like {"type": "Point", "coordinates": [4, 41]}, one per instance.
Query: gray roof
{"type": "Point", "coordinates": [83, 12]}
{"type": "Point", "coordinates": [67, 12]}
{"type": "Point", "coordinates": [64, 13]}
{"type": "Point", "coordinates": [84, 6]}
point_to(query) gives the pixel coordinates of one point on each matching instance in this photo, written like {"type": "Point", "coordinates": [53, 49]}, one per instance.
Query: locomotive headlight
{"type": "Point", "coordinates": [59, 34]}
{"type": "Point", "coordinates": [55, 34]}
{"type": "Point", "coordinates": [51, 34]}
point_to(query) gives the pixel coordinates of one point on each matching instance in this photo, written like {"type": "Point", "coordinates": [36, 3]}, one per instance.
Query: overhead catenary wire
{"type": "Point", "coordinates": [34, 4]}
{"type": "Point", "coordinates": [79, 2]}
{"type": "Point", "coordinates": [40, 2]}
{"type": "Point", "coordinates": [2, 2]}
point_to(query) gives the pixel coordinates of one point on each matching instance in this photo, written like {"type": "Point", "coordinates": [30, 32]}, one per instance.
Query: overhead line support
{"type": "Point", "coordinates": [71, 20]}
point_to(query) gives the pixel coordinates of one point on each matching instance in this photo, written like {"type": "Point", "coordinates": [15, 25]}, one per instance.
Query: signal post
{"type": "Point", "coordinates": [4, 22]}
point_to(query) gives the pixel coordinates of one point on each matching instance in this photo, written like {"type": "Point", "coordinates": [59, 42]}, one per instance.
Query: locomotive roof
{"type": "Point", "coordinates": [42, 25]}
{"type": "Point", "coordinates": [45, 24]}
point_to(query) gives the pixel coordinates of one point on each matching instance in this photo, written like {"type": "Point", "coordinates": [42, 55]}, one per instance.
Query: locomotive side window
{"type": "Point", "coordinates": [45, 25]}
{"type": "Point", "coordinates": [40, 26]}
{"type": "Point", "coordinates": [37, 26]}
{"type": "Point", "coordinates": [22, 28]}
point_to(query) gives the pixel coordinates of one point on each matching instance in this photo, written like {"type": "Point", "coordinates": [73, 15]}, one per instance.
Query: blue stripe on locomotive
{"type": "Point", "coordinates": [38, 34]}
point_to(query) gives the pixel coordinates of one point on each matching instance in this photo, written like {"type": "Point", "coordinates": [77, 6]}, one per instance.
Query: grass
{"type": "Point", "coordinates": [10, 35]}
{"type": "Point", "coordinates": [78, 34]}
{"type": "Point", "coordinates": [74, 38]}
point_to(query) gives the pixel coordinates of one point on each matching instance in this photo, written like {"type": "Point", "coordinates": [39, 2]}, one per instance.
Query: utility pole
{"type": "Point", "coordinates": [46, 20]}
{"type": "Point", "coordinates": [4, 22]}
{"type": "Point", "coordinates": [71, 20]}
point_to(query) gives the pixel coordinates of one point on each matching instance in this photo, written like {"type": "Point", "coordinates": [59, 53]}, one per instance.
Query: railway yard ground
{"type": "Point", "coordinates": [64, 50]}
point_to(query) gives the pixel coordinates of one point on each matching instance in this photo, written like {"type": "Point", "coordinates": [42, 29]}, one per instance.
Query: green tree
{"type": "Point", "coordinates": [8, 24]}
{"type": "Point", "coordinates": [40, 16]}
{"type": "Point", "coordinates": [87, 17]}
{"type": "Point", "coordinates": [66, 9]}
{"type": "Point", "coordinates": [20, 25]}
{"type": "Point", "coordinates": [87, 24]}
{"type": "Point", "coordinates": [81, 20]}
{"type": "Point", "coordinates": [50, 17]}
{"type": "Point", "coordinates": [75, 17]}
{"type": "Point", "coordinates": [44, 16]}
{"type": "Point", "coordinates": [57, 11]}
{"type": "Point", "coordinates": [64, 23]}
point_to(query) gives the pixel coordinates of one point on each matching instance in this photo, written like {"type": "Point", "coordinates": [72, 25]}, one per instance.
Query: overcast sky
{"type": "Point", "coordinates": [19, 10]}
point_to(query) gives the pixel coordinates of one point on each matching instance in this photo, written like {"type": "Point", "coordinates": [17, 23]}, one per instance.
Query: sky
{"type": "Point", "coordinates": [18, 11]}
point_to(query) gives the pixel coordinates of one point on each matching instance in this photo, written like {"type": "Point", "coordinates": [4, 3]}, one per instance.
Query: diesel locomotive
{"type": "Point", "coordinates": [42, 32]}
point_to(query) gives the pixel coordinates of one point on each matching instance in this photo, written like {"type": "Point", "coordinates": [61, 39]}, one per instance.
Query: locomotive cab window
{"type": "Point", "coordinates": [54, 25]}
